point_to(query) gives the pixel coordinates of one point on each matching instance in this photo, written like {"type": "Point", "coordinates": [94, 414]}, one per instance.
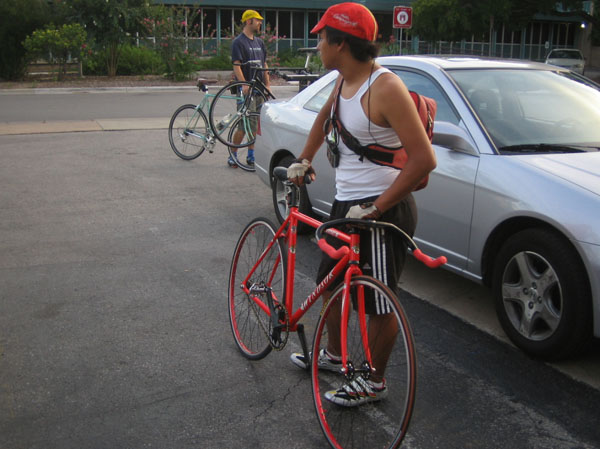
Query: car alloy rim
{"type": "Point", "coordinates": [532, 295]}
{"type": "Point", "coordinates": [281, 193]}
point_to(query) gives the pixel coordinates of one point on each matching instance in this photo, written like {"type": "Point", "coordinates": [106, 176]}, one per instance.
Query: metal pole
{"type": "Point", "coordinates": [400, 53]}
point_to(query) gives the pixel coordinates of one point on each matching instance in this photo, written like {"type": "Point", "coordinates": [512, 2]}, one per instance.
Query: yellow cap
{"type": "Point", "coordinates": [251, 14]}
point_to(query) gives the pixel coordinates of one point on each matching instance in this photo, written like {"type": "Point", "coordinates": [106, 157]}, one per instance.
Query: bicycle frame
{"type": "Point", "coordinates": [203, 107]}
{"type": "Point", "coordinates": [348, 262]}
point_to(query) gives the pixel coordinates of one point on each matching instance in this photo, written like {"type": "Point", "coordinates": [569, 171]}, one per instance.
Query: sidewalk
{"type": "Point", "coordinates": [121, 124]}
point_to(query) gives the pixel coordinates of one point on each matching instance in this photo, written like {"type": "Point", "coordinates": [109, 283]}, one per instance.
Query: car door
{"type": "Point", "coordinates": [445, 206]}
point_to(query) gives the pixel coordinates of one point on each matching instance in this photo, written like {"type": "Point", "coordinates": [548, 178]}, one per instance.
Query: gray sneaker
{"type": "Point", "coordinates": [357, 392]}
{"type": "Point", "coordinates": [326, 361]}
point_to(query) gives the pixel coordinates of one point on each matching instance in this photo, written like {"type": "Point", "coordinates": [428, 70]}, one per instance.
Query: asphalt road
{"type": "Point", "coordinates": [114, 259]}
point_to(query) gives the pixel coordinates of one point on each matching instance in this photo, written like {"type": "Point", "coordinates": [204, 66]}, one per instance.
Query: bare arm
{"type": "Point", "coordinates": [317, 135]}
{"type": "Point", "coordinates": [267, 77]}
{"type": "Point", "coordinates": [395, 107]}
{"type": "Point", "coordinates": [237, 71]}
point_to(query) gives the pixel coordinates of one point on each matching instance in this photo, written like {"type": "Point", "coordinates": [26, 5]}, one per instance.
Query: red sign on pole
{"type": "Point", "coordinates": [402, 17]}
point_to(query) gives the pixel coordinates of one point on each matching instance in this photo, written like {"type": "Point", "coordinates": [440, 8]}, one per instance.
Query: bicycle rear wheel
{"type": "Point", "coordinates": [380, 423]}
{"type": "Point", "coordinates": [242, 156]}
{"type": "Point", "coordinates": [230, 104]}
{"type": "Point", "coordinates": [188, 132]}
{"type": "Point", "coordinates": [249, 321]}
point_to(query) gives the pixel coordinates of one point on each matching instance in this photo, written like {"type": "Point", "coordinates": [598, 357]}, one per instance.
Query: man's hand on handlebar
{"type": "Point", "coordinates": [365, 211]}
{"type": "Point", "coordinates": [298, 170]}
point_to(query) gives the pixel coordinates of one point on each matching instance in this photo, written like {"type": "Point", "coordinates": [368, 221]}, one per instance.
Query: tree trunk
{"type": "Point", "coordinates": [112, 59]}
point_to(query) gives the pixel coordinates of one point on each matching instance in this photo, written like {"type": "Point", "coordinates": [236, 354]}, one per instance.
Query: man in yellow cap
{"type": "Point", "coordinates": [247, 47]}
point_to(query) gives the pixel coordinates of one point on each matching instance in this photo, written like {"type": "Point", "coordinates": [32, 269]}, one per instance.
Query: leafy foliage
{"type": "Point", "coordinates": [168, 26]}
{"type": "Point", "coordinates": [56, 44]}
{"type": "Point", "coordinates": [109, 23]}
{"type": "Point", "coordinates": [19, 18]}
{"type": "Point", "coordinates": [461, 19]}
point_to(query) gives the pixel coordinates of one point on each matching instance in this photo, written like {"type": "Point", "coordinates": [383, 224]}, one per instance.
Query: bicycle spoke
{"type": "Point", "coordinates": [231, 109]}
{"type": "Point", "coordinates": [249, 322]}
{"type": "Point", "coordinates": [188, 132]}
{"type": "Point", "coordinates": [379, 423]}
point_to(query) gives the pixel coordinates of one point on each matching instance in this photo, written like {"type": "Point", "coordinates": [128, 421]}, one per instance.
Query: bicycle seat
{"type": "Point", "coordinates": [203, 82]}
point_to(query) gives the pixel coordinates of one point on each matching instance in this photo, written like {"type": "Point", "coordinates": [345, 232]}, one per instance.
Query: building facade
{"type": "Point", "coordinates": [288, 24]}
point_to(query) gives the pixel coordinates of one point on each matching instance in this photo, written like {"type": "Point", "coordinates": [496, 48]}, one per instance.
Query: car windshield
{"type": "Point", "coordinates": [565, 54]}
{"type": "Point", "coordinates": [534, 110]}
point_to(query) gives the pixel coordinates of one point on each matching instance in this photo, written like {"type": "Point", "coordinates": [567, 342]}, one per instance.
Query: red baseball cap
{"type": "Point", "coordinates": [351, 18]}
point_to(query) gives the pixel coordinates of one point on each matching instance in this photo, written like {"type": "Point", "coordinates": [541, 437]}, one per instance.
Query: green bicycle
{"type": "Point", "coordinates": [232, 119]}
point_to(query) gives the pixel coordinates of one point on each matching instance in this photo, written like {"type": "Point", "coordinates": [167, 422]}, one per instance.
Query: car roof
{"type": "Point", "coordinates": [454, 62]}
{"type": "Point", "coordinates": [566, 50]}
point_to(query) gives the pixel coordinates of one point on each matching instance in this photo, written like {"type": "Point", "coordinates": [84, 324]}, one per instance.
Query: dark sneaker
{"type": "Point", "coordinates": [250, 161]}
{"type": "Point", "coordinates": [326, 361]}
{"type": "Point", "coordinates": [231, 162]}
{"type": "Point", "coordinates": [357, 392]}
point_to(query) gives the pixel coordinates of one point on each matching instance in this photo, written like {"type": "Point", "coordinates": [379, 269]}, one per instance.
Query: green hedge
{"type": "Point", "coordinates": [132, 61]}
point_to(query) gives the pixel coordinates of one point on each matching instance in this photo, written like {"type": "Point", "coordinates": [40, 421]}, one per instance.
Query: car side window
{"type": "Point", "coordinates": [316, 103]}
{"type": "Point", "coordinates": [426, 86]}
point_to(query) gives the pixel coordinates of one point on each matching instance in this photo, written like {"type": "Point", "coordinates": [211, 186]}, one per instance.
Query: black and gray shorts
{"type": "Point", "coordinates": [382, 252]}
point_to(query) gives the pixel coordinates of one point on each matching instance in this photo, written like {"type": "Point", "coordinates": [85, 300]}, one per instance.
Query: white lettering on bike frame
{"type": "Point", "coordinates": [314, 295]}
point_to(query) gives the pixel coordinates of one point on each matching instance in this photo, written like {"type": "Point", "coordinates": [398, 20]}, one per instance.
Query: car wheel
{"type": "Point", "coordinates": [542, 294]}
{"type": "Point", "coordinates": [280, 193]}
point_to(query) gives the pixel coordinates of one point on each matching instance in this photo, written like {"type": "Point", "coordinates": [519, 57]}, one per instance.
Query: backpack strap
{"type": "Point", "coordinates": [334, 120]}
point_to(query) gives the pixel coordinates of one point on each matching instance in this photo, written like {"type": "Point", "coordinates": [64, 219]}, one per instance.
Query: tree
{"type": "Point", "coordinates": [56, 45]}
{"type": "Point", "coordinates": [460, 19]}
{"type": "Point", "coordinates": [109, 23]}
{"type": "Point", "coordinates": [439, 20]}
{"type": "Point", "coordinates": [18, 19]}
{"type": "Point", "coordinates": [171, 28]}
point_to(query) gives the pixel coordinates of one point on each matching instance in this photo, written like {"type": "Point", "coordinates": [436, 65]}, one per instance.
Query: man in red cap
{"type": "Point", "coordinates": [373, 105]}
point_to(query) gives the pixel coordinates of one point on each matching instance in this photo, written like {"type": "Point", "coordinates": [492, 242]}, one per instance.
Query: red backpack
{"type": "Point", "coordinates": [380, 154]}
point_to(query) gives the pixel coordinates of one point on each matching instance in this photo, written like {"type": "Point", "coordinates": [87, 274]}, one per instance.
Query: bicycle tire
{"type": "Point", "coordinates": [185, 127]}
{"type": "Point", "coordinates": [380, 424]}
{"type": "Point", "coordinates": [240, 155]}
{"type": "Point", "coordinates": [248, 321]}
{"type": "Point", "coordinates": [226, 106]}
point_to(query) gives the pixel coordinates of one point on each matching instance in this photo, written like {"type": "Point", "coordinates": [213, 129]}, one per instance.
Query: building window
{"type": "Point", "coordinates": [227, 29]}
{"type": "Point", "coordinates": [298, 25]}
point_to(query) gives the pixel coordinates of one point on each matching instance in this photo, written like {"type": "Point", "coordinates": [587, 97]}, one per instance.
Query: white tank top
{"type": "Point", "coordinates": [355, 179]}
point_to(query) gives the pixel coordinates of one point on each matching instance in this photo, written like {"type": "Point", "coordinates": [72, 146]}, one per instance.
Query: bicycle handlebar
{"type": "Point", "coordinates": [281, 174]}
{"type": "Point", "coordinates": [259, 68]}
{"type": "Point", "coordinates": [357, 222]}
{"type": "Point", "coordinates": [331, 251]}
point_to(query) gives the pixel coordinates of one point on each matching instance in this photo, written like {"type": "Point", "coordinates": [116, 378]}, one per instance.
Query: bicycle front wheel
{"type": "Point", "coordinates": [350, 415]}
{"type": "Point", "coordinates": [230, 108]}
{"type": "Point", "coordinates": [188, 132]}
{"type": "Point", "coordinates": [243, 156]}
{"type": "Point", "coordinates": [247, 298]}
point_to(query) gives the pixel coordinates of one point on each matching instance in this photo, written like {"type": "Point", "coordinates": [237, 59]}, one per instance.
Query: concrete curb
{"type": "Point", "coordinates": [291, 86]}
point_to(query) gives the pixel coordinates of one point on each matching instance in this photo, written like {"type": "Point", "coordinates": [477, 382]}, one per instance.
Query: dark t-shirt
{"type": "Point", "coordinates": [244, 49]}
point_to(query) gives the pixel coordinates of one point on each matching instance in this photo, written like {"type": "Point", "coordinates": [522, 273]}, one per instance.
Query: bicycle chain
{"type": "Point", "coordinates": [278, 346]}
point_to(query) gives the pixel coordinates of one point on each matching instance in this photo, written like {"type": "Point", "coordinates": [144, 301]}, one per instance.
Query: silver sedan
{"type": "Point", "coordinates": [514, 202]}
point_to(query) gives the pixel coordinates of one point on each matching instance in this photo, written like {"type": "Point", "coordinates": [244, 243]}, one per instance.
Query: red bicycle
{"type": "Point", "coordinates": [261, 292]}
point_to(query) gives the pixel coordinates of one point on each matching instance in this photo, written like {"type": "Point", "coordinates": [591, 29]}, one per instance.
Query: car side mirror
{"type": "Point", "coordinates": [448, 135]}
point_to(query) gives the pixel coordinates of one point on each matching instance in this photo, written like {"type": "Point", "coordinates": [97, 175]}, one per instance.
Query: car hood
{"type": "Point", "coordinates": [580, 169]}
{"type": "Point", "coordinates": [563, 61]}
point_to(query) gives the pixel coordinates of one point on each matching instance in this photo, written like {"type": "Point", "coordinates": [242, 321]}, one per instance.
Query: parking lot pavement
{"type": "Point", "coordinates": [470, 302]}
{"type": "Point", "coordinates": [474, 304]}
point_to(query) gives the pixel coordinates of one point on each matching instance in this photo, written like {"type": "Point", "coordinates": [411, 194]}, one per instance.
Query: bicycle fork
{"type": "Point", "coordinates": [348, 366]}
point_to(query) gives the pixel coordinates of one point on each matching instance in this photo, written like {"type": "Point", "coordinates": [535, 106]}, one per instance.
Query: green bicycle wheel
{"type": "Point", "coordinates": [231, 109]}
{"type": "Point", "coordinates": [188, 132]}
